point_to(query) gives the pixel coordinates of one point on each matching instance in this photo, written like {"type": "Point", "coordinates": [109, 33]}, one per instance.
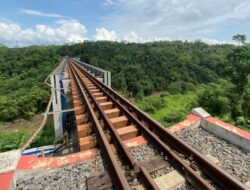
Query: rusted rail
{"type": "Point", "coordinates": [181, 155]}
{"type": "Point", "coordinates": [115, 171]}
{"type": "Point", "coordinates": [194, 178]}
{"type": "Point", "coordinates": [127, 159]}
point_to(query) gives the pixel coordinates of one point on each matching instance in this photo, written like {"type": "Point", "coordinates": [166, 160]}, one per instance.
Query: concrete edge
{"type": "Point", "coordinates": [191, 121]}
{"type": "Point", "coordinates": [200, 112]}
{"type": "Point", "coordinates": [228, 132]}
{"type": "Point", "coordinates": [221, 129]}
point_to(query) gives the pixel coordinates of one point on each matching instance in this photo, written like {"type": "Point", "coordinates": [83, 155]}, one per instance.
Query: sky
{"type": "Point", "coordinates": [44, 22]}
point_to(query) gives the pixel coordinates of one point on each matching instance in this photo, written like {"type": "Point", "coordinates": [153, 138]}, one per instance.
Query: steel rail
{"type": "Point", "coordinates": [218, 175]}
{"type": "Point", "coordinates": [129, 161]}
{"type": "Point", "coordinates": [145, 176]}
{"type": "Point", "coordinates": [118, 178]}
{"type": "Point", "coordinates": [195, 179]}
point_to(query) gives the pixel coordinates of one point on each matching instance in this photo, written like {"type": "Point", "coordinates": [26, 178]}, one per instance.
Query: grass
{"type": "Point", "coordinates": [163, 107]}
{"type": "Point", "coordinates": [171, 109]}
{"type": "Point", "coordinates": [46, 136]}
{"type": "Point", "coordinates": [226, 118]}
{"type": "Point", "coordinates": [15, 134]}
{"type": "Point", "coordinates": [168, 109]}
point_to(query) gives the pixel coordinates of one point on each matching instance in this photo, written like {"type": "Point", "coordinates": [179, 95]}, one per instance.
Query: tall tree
{"type": "Point", "coordinates": [241, 38]}
{"type": "Point", "coordinates": [239, 63]}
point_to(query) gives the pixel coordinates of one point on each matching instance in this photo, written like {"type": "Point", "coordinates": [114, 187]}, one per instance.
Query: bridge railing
{"type": "Point", "coordinates": [98, 72]}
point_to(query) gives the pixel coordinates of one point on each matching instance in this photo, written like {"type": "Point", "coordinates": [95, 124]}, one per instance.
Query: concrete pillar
{"type": "Point", "coordinates": [105, 78]}
{"type": "Point", "coordinates": [57, 104]}
{"type": "Point", "coordinates": [109, 79]}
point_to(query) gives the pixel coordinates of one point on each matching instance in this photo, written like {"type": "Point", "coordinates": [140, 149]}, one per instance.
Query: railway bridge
{"type": "Point", "coordinates": [106, 142]}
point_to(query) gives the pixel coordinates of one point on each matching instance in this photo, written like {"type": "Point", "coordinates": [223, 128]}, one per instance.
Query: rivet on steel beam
{"type": "Point", "coordinates": [191, 158]}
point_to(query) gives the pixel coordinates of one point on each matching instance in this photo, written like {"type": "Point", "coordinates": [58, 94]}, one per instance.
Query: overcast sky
{"type": "Point", "coordinates": [45, 22]}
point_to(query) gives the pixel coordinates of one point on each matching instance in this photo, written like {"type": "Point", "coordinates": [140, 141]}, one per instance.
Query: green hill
{"type": "Point", "coordinates": [215, 74]}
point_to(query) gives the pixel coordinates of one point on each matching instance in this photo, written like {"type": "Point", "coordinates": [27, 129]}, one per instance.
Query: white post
{"type": "Point", "coordinates": [105, 80]}
{"type": "Point", "coordinates": [109, 79]}
{"type": "Point", "coordinates": [56, 103]}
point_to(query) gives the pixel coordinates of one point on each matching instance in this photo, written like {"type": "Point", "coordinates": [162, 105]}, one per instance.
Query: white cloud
{"type": "Point", "coordinates": [3, 19]}
{"type": "Point", "coordinates": [39, 13]}
{"type": "Point", "coordinates": [133, 37]}
{"type": "Point", "coordinates": [187, 19]}
{"type": "Point", "coordinates": [67, 31]}
{"type": "Point", "coordinates": [109, 2]}
{"type": "Point", "coordinates": [104, 34]}
{"type": "Point", "coordinates": [219, 42]}
{"type": "Point", "coordinates": [141, 21]}
{"type": "Point", "coordinates": [71, 31]}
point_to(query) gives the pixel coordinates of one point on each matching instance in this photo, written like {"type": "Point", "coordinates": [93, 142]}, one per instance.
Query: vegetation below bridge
{"type": "Point", "coordinates": [217, 76]}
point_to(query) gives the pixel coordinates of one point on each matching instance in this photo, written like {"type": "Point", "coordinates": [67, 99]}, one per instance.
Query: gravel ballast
{"type": "Point", "coordinates": [232, 159]}
{"type": "Point", "coordinates": [70, 177]}
{"type": "Point", "coordinates": [147, 151]}
{"type": "Point", "coordinates": [75, 176]}
{"type": "Point", "coordinates": [143, 152]}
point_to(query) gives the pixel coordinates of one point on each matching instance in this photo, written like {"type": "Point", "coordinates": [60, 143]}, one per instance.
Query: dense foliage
{"type": "Point", "coordinates": [45, 137]}
{"type": "Point", "coordinates": [22, 72]}
{"type": "Point", "coordinates": [231, 98]}
{"type": "Point", "coordinates": [14, 140]}
{"type": "Point", "coordinates": [218, 74]}
{"type": "Point", "coordinates": [143, 68]}
{"type": "Point", "coordinates": [168, 108]}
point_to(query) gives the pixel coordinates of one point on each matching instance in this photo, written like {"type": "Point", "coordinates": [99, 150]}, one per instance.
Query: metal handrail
{"type": "Point", "coordinates": [41, 126]}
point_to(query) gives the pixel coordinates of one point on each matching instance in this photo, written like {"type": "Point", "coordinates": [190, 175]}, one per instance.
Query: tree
{"type": "Point", "coordinates": [245, 104]}
{"type": "Point", "coordinates": [240, 38]}
{"type": "Point", "coordinates": [216, 97]}
{"type": "Point", "coordinates": [137, 69]}
{"type": "Point", "coordinates": [2, 45]}
{"type": "Point", "coordinates": [238, 67]}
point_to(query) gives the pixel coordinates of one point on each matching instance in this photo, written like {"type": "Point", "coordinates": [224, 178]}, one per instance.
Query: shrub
{"type": "Point", "coordinates": [152, 104]}
{"type": "Point", "coordinates": [173, 118]}
{"type": "Point", "coordinates": [216, 98]}
{"type": "Point", "coordinates": [45, 137]}
{"type": "Point", "coordinates": [164, 94]}
{"type": "Point", "coordinates": [174, 87]}
{"type": "Point", "coordinates": [11, 140]}
{"type": "Point", "coordinates": [187, 86]}
{"type": "Point", "coordinates": [191, 103]}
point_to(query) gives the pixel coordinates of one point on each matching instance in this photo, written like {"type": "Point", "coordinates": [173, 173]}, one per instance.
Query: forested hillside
{"type": "Point", "coordinates": [22, 72]}
{"type": "Point", "coordinates": [144, 68]}
{"type": "Point", "coordinates": [216, 74]}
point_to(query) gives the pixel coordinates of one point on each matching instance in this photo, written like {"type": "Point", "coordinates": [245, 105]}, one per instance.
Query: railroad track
{"type": "Point", "coordinates": [105, 120]}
